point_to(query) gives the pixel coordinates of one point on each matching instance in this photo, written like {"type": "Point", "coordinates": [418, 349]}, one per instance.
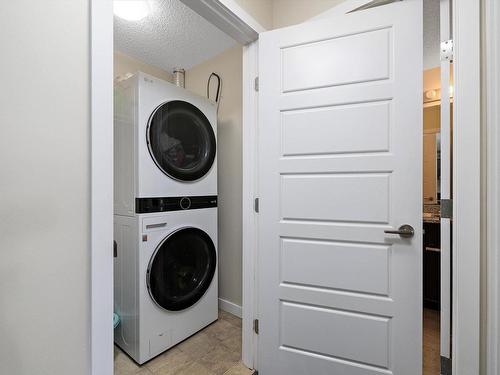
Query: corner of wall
{"type": "Point", "coordinates": [123, 64]}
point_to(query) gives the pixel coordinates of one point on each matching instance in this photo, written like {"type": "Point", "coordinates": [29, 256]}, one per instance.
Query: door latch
{"type": "Point", "coordinates": [446, 209]}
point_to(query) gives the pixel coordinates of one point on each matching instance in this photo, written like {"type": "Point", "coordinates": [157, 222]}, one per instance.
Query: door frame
{"type": "Point", "coordinates": [466, 269]}
{"type": "Point", "coordinates": [490, 361]}
{"type": "Point", "coordinates": [467, 192]}
{"type": "Point", "coordinates": [101, 189]}
{"type": "Point", "coordinates": [467, 180]}
{"type": "Point", "coordinates": [235, 21]}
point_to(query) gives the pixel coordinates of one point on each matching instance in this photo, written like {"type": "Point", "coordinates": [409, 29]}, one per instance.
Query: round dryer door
{"type": "Point", "coordinates": [181, 269]}
{"type": "Point", "coordinates": [181, 140]}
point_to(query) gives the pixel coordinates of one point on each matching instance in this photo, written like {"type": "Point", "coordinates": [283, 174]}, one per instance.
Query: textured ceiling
{"type": "Point", "coordinates": [172, 35]}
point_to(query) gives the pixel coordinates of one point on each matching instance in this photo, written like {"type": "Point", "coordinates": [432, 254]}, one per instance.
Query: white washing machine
{"type": "Point", "coordinates": [165, 277]}
{"type": "Point", "coordinates": [165, 144]}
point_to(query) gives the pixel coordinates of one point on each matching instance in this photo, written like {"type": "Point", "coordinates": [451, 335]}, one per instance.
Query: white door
{"type": "Point", "coordinates": [340, 162]}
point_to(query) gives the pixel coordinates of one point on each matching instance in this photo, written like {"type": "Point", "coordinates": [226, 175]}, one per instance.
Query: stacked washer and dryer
{"type": "Point", "coordinates": [165, 223]}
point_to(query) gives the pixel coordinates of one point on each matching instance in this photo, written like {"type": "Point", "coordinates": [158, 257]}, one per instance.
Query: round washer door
{"type": "Point", "coordinates": [181, 269]}
{"type": "Point", "coordinates": [181, 140]}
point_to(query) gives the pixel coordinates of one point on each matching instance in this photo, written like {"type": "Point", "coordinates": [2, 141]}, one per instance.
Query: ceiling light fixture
{"type": "Point", "coordinates": [131, 10]}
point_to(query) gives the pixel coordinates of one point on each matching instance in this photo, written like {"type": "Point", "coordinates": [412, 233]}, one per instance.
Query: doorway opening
{"type": "Point", "coordinates": [433, 264]}
{"type": "Point", "coordinates": [177, 192]}
{"type": "Point", "coordinates": [437, 189]}
{"type": "Point", "coordinates": [458, 117]}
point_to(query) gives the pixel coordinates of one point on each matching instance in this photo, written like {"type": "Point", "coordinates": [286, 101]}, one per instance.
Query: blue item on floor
{"type": "Point", "coordinates": [116, 320]}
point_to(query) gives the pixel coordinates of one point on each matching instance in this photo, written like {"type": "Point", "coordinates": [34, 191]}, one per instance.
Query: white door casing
{"type": "Point", "coordinates": [340, 161]}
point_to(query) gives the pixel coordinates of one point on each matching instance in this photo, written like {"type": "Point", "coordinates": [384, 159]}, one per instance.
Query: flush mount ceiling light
{"type": "Point", "coordinates": [131, 10]}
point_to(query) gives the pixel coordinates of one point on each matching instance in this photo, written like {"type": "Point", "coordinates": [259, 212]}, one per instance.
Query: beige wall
{"type": "Point", "coordinates": [292, 12]}
{"type": "Point", "coordinates": [229, 66]}
{"type": "Point", "coordinates": [260, 10]}
{"type": "Point", "coordinates": [45, 188]}
{"type": "Point", "coordinates": [273, 14]}
{"type": "Point", "coordinates": [123, 64]}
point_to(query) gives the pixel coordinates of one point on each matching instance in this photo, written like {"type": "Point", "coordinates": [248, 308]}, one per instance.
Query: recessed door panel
{"type": "Point", "coordinates": [353, 197]}
{"type": "Point", "coordinates": [351, 336]}
{"type": "Point", "coordinates": [340, 60]}
{"type": "Point", "coordinates": [336, 265]}
{"type": "Point", "coordinates": [321, 131]}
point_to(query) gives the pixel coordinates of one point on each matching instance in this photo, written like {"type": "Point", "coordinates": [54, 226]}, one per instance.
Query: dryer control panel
{"type": "Point", "coordinates": [163, 204]}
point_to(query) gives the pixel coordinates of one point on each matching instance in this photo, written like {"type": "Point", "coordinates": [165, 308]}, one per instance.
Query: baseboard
{"type": "Point", "coordinates": [230, 307]}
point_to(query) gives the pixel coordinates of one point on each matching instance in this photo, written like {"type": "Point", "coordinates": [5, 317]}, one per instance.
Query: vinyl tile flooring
{"type": "Point", "coordinates": [216, 350]}
{"type": "Point", "coordinates": [431, 349]}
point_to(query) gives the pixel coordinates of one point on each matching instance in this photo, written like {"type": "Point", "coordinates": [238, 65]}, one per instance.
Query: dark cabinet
{"type": "Point", "coordinates": [432, 266]}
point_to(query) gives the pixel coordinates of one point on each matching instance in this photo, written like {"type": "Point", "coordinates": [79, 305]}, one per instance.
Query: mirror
{"type": "Point", "coordinates": [432, 151]}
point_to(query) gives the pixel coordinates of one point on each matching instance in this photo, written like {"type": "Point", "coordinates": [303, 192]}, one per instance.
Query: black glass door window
{"type": "Point", "coordinates": [182, 269]}
{"type": "Point", "coordinates": [181, 140]}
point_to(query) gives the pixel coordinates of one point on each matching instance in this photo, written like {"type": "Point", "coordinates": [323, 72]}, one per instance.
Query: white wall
{"type": "Point", "coordinates": [44, 185]}
{"type": "Point", "coordinates": [229, 66]}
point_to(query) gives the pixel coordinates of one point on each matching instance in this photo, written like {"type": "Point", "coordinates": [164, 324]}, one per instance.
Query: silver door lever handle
{"type": "Point", "coordinates": [404, 230]}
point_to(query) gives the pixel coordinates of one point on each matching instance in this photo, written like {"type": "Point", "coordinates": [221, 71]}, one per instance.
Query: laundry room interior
{"type": "Point", "coordinates": [178, 87]}
{"type": "Point", "coordinates": [182, 76]}
{"type": "Point", "coordinates": [250, 187]}
{"type": "Point", "coordinates": [166, 45]}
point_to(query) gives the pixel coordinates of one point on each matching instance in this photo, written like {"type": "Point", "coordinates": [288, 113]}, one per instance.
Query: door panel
{"type": "Point", "coordinates": [328, 264]}
{"type": "Point", "coordinates": [343, 61]}
{"type": "Point", "coordinates": [354, 197]}
{"type": "Point", "coordinates": [340, 155]}
{"type": "Point", "coordinates": [320, 131]}
{"type": "Point", "coordinates": [344, 334]}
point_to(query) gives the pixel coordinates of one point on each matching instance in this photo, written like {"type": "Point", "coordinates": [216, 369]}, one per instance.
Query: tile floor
{"type": "Point", "coordinates": [431, 342]}
{"type": "Point", "coordinates": [216, 350]}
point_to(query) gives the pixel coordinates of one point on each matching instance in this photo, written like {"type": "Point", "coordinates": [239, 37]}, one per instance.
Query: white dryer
{"type": "Point", "coordinates": [165, 144]}
{"type": "Point", "coordinates": [165, 272]}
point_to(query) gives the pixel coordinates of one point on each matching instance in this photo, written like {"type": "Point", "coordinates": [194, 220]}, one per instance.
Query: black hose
{"type": "Point", "coordinates": [217, 95]}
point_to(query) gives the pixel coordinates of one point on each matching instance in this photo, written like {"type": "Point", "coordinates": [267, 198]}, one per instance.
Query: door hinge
{"type": "Point", "coordinates": [256, 326]}
{"type": "Point", "coordinates": [446, 366]}
{"type": "Point", "coordinates": [447, 50]}
{"type": "Point", "coordinates": [256, 205]}
{"type": "Point", "coordinates": [256, 84]}
{"type": "Point", "coordinates": [446, 208]}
